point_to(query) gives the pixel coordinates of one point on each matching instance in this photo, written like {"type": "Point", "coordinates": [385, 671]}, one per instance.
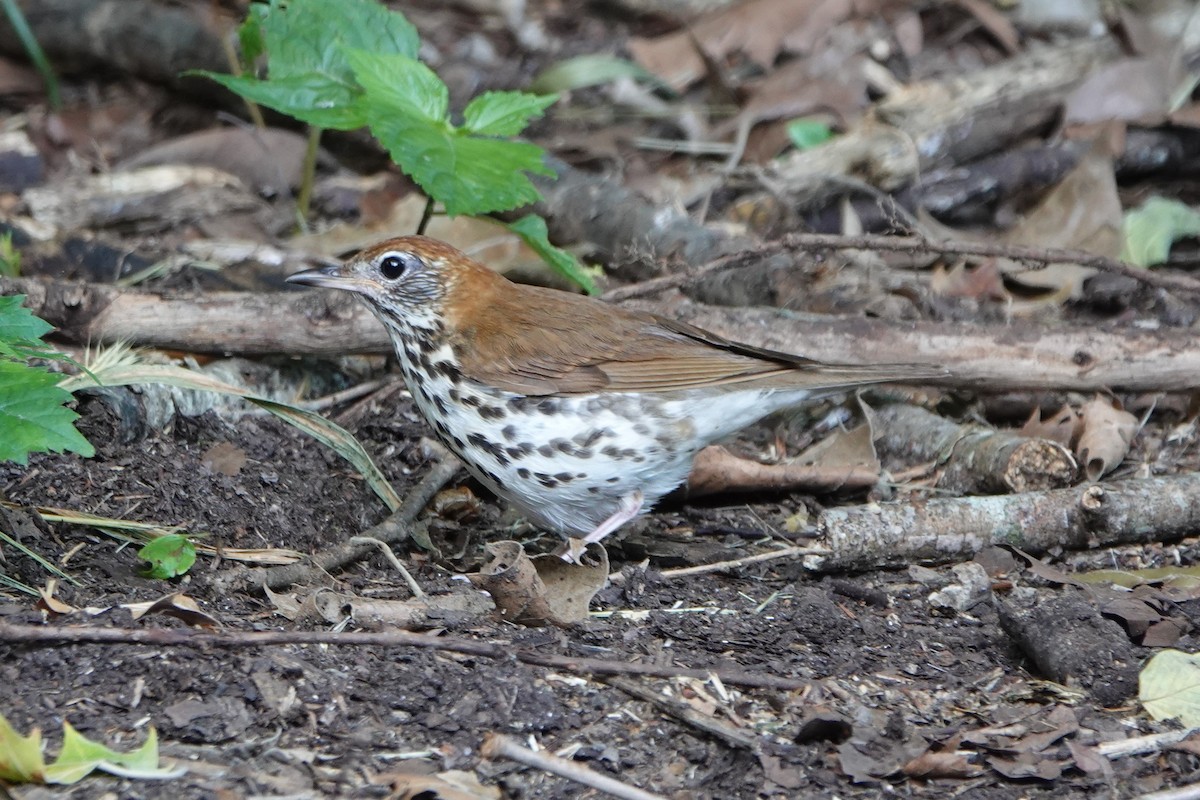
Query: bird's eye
{"type": "Point", "coordinates": [392, 266]}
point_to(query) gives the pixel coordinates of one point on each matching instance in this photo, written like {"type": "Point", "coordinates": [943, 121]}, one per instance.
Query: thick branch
{"type": "Point", "coordinates": [944, 531]}
{"type": "Point", "coordinates": [993, 358]}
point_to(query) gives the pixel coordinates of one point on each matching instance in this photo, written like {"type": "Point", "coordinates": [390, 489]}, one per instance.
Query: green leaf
{"type": "Point", "coordinates": [311, 97]}
{"type": "Point", "coordinates": [170, 556]}
{"type": "Point", "coordinates": [18, 324]}
{"type": "Point", "coordinates": [532, 230]}
{"type": "Point", "coordinates": [304, 36]}
{"type": "Point", "coordinates": [1152, 228]}
{"type": "Point", "coordinates": [592, 70]}
{"type": "Point", "coordinates": [807, 132]}
{"type": "Point", "coordinates": [80, 756]}
{"type": "Point", "coordinates": [406, 106]}
{"type": "Point", "coordinates": [402, 84]}
{"type": "Point", "coordinates": [306, 43]}
{"type": "Point", "coordinates": [33, 418]}
{"type": "Point", "coordinates": [250, 35]}
{"type": "Point", "coordinates": [20, 756]}
{"type": "Point", "coordinates": [504, 113]}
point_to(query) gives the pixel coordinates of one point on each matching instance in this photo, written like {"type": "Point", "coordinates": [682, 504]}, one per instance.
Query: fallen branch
{"type": "Point", "coordinates": [972, 458]}
{"type": "Point", "coordinates": [13, 633]}
{"type": "Point", "coordinates": [994, 358]}
{"type": "Point", "coordinates": [1037, 256]}
{"type": "Point", "coordinates": [942, 531]}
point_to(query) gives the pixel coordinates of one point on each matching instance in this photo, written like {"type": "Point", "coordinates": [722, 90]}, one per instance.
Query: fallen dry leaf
{"type": "Point", "coordinates": [270, 160]}
{"type": "Point", "coordinates": [176, 604]}
{"type": "Point", "coordinates": [224, 458]}
{"type": "Point", "coordinates": [542, 590]}
{"type": "Point", "coordinates": [760, 29]}
{"type": "Point", "coordinates": [1063, 427]}
{"type": "Point", "coordinates": [1107, 430]}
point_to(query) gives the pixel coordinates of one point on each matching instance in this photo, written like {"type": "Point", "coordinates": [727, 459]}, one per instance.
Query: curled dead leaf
{"type": "Point", "coordinates": [544, 590]}
{"type": "Point", "coordinates": [1107, 429]}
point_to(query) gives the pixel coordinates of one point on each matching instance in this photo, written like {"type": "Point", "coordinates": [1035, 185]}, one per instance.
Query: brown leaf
{"type": "Point", "coordinates": [1107, 430]}
{"type": "Point", "coordinates": [1064, 427]}
{"type": "Point", "coordinates": [270, 160]}
{"type": "Point", "coordinates": [758, 28]}
{"type": "Point", "coordinates": [943, 764]}
{"type": "Point", "coordinates": [540, 591]}
{"type": "Point", "coordinates": [1082, 213]}
{"type": "Point", "coordinates": [224, 458]}
{"type": "Point", "coordinates": [176, 604]}
{"type": "Point", "coordinates": [994, 22]}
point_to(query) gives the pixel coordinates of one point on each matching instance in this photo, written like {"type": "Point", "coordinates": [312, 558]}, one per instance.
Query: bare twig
{"type": "Point", "coordinates": [737, 563]}
{"type": "Point", "coordinates": [11, 633]}
{"type": "Point", "coordinates": [413, 586]}
{"type": "Point", "coordinates": [899, 244]}
{"type": "Point", "coordinates": [685, 713]}
{"type": "Point", "coordinates": [396, 528]}
{"type": "Point", "coordinates": [499, 746]}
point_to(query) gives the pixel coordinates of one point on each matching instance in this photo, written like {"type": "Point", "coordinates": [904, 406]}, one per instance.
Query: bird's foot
{"type": "Point", "coordinates": [631, 506]}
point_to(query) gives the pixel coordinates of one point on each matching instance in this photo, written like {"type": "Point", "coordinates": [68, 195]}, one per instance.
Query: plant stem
{"type": "Point", "coordinates": [36, 54]}
{"type": "Point", "coordinates": [235, 68]}
{"type": "Point", "coordinates": [309, 173]}
{"type": "Point", "coordinates": [426, 216]}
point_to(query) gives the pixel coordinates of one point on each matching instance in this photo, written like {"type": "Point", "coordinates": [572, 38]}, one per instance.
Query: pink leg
{"type": "Point", "coordinates": [631, 506]}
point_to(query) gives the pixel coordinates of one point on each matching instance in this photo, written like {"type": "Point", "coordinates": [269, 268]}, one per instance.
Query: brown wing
{"type": "Point", "coordinates": [541, 342]}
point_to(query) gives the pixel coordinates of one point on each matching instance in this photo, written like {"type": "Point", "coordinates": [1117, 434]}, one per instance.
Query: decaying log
{"type": "Point", "coordinates": [973, 458]}
{"type": "Point", "coordinates": [981, 357]}
{"type": "Point", "coordinates": [949, 530]}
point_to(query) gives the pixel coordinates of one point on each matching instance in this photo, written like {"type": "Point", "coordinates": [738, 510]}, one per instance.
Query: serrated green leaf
{"type": "Point", "coordinates": [1153, 227]}
{"type": "Point", "coordinates": [406, 105]}
{"type": "Point", "coordinates": [18, 324]}
{"type": "Point", "coordinates": [504, 113]}
{"type": "Point", "coordinates": [33, 418]}
{"type": "Point", "coordinates": [304, 36]}
{"type": "Point", "coordinates": [401, 84]}
{"type": "Point", "coordinates": [169, 556]}
{"type": "Point", "coordinates": [306, 43]}
{"type": "Point", "coordinates": [532, 230]}
{"type": "Point", "coordinates": [311, 97]}
{"type": "Point", "coordinates": [807, 132]}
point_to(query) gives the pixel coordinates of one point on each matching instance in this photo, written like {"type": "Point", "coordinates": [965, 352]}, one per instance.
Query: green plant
{"type": "Point", "coordinates": [10, 257]}
{"type": "Point", "coordinates": [33, 414]}
{"type": "Point", "coordinates": [354, 63]}
{"type": "Point", "coordinates": [168, 556]}
{"type": "Point", "coordinates": [22, 759]}
{"type": "Point", "coordinates": [34, 50]}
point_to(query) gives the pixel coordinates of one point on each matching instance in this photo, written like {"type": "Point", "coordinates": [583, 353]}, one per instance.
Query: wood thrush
{"type": "Point", "coordinates": [578, 412]}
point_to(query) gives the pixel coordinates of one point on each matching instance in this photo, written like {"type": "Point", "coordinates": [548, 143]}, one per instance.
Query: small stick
{"type": "Point", "coordinates": [909, 244]}
{"type": "Point", "coordinates": [168, 637]}
{"type": "Point", "coordinates": [726, 566]}
{"type": "Point", "coordinates": [345, 395]}
{"type": "Point", "coordinates": [499, 746]}
{"type": "Point", "coordinates": [686, 714]}
{"type": "Point", "coordinates": [413, 586]}
{"type": "Point", "coordinates": [1141, 745]}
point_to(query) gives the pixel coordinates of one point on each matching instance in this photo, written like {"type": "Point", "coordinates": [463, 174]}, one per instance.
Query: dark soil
{"type": "Point", "coordinates": [888, 678]}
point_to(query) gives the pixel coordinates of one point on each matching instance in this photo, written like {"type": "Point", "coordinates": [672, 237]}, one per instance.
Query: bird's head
{"type": "Point", "coordinates": [409, 282]}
